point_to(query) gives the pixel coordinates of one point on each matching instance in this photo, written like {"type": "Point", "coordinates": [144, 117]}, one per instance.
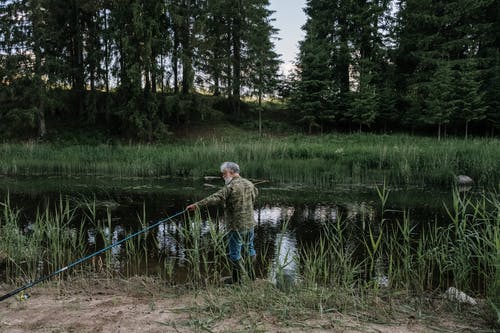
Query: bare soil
{"type": "Point", "coordinates": [142, 305]}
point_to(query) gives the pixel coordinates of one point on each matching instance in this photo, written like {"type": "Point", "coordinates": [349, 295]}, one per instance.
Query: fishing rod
{"type": "Point", "coordinates": [79, 261]}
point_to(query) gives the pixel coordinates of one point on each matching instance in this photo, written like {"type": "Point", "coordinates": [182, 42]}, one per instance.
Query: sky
{"type": "Point", "coordinates": [289, 18]}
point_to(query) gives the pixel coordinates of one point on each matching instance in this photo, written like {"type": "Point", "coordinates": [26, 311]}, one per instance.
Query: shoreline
{"type": "Point", "coordinates": [148, 305]}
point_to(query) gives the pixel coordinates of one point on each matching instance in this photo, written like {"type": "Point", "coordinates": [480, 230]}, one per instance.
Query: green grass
{"type": "Point", "coordinates": [336, 273]}
{"type": "Point", "coordinates": [310, 160]}
{"type": "Point", "coordinates": [49, 243]}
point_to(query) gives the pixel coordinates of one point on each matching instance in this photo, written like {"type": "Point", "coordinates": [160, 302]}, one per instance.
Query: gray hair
{"type": "Point", "coordinates": [231, 166]}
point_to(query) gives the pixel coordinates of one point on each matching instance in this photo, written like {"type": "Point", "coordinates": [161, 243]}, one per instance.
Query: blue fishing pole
{"type": "Point", "coordinates": [79, 261]}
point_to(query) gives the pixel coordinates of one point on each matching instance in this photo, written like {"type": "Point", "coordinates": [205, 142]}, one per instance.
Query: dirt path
{"type": "Point", "coordinates": [133, 308]}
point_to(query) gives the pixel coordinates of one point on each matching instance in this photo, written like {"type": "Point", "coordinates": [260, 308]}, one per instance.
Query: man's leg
{"type": "Point", "coordinates": [249, 248]}
{"type": "Point", "coordinates": [235, 243]}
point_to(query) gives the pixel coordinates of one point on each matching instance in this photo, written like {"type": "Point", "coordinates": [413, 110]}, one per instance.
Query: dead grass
{"type": "Point", "coordinates": [149, 305]}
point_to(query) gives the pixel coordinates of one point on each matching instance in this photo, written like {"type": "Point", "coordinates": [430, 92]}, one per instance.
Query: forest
{"type": "Point", "coordinates": [139, 69]}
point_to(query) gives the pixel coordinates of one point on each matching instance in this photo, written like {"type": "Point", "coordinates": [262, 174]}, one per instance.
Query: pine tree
{"type": "Point", "coordinates": [344, 53]}
{"type": "Point", "coordinates": [315, 91]}
{"type": "Point", "coordinates": [17, 105]}
{"type": "Point", "coordinates": [24, 96]}
{"type": "Point", "coordinates": [456, 32]}
{"type": "Point", "coordinates": [439, 106]}
{"type": "Point", "coordinates": [363, 105]}
{"type": "Point", "coordinates": [487, 13]}
{"type": "Point", "coordinates": [470, 104]}
{"type": "Point", "coordinates": [262, 61]}
{"type": "Point", "coordinates": [213, 47]}
{"type": "Point", "coordinates": [417, 55]}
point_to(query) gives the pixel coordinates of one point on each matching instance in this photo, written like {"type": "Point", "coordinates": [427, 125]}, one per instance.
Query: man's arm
{"type": "Point", "coordinates": [255, 192]}
{"type": "Point", "coordinates": [214, 199]}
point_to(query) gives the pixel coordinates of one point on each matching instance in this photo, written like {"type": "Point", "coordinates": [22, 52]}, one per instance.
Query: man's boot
{"type": "Point", "coordinates": [236, 265]}
{"type": "Point", "coordinates": [250, 267]}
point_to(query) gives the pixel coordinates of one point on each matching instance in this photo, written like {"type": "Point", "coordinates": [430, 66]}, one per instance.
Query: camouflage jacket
{"type": "Point", "coordinates": [237, 198]}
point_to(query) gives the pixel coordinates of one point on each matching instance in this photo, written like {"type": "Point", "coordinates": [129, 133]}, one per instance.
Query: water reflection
{"type": "Point", "coordinates": [166, 241]}
{"type": "Point", "coordinates": [284, 265]}
{"type": "Point", "coordinates": [279, 230]}
{"type": "Point", "coordinates": [304, 212]}
{"type": "Point", "coordinates": [273, 215]}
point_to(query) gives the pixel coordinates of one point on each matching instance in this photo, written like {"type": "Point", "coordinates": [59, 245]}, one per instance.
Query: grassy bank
{"type": "Point", "coordinates": [313, 160]}
{"type": "Point", "coordinates": [349, 266]}
{"type": "Point", "coordinates": [145, 304]}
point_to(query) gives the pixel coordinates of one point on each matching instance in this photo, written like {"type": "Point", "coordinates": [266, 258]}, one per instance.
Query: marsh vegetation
{"type": "Point", "coordinates": [320, 161]}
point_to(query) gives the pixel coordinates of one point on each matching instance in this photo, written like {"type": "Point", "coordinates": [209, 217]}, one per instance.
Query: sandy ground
{"type": "Point", "coordinates": [130, 307]}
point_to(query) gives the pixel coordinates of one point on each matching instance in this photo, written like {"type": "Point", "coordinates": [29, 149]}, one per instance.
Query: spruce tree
{"type": "Point", "coordinates": [439, 105]}
{"type": "Point", "coordinates": [315, 91]}
{"type": "Point", "coordinates": [25, 62]}
{"type": "Point", "coordinates": [262, 61]}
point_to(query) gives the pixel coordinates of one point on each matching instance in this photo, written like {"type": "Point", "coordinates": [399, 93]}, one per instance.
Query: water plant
{"type": "Point", "coordinates": [320, 161]}
{"type": "Point", "coordinates": [204, 249]}
{"type": "Point", "coordinates": [350, 255]}
{"type": "Point", "coordinates": [48, 243]}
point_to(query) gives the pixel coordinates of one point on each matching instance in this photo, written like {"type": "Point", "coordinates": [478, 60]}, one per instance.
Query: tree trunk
{"type": "Point", "coordinates": [106, 52]}
{"type": "Point", "coordinates": [229, 70]}
{"type": "Point", "coordinates": [260, 112]}
{"type": "Point", "coordinates": [39, 88]}
{"type": "Point", "coordinates": [123, 72]}
{"type": "Point", "coordinates": [175, 60]}
{"type": "Point", "coordinates": [344, 56]}
{"type": "Point", "coordinates": [236, 39]}
{"type": "Point", "coordinates": [187, 61]}
{"type": "Point", "coordinates": [162, 75]}
{"type": "Point", "coordinates": [216, 84]}
{"type": "Point", "coordinates": [42, 129]}
{"type": "Point", "coordinates": [153, 76]}
{"type": "Point", "coordinates": [78, 65]}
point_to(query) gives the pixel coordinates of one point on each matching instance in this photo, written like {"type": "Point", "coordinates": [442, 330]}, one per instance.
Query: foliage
{"type": "Point", "coordinates": [443, 48]}
{"type": "Point", "coordinates": [133, 53]}
{"type": "Point", "coordinates": [137, 67]}
{"type": "Point", "coordinates": [342, 269]}
{"type": "Point", "coordinates": [320, 161]}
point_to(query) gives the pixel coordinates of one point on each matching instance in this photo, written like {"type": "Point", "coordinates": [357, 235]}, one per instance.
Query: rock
{"type": "Point", "coordinates": [463, 180]}
{"type": "Point", "coordinates": [453, 294]}
{"type": "Point", "coordinates": [285, 280]}
{"type": "Point", "coordinates": [382, 281]}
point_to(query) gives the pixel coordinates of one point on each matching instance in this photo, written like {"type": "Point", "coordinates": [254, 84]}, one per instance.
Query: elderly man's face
{"type": "Point", "coordinates": [227, 175]}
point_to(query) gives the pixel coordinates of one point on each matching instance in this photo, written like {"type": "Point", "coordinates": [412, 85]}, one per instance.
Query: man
{"type": "Point", "coordinates": [237, 197]}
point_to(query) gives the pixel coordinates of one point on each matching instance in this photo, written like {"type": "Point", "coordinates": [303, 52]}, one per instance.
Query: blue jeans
{"type": "Point", "coordinates": [238, 240]}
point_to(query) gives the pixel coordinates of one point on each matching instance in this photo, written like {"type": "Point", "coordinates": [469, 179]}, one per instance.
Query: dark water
{"type": "Point", "coordinates": [305, 210]}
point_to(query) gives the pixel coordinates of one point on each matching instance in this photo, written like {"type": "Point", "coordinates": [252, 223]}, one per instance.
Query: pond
{"type": "Point", "coordinates": [288, 217]}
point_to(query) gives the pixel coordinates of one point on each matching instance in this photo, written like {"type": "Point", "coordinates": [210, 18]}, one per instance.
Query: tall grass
{"type": "Point", "coordinates": [58, 235]}
{"type": "Point", "coordinates": [462, 252]}
{"type": "Point", "coordinates": [47, 244]}
{"type": "Point", "coordinates": [205, 247]}
{"type": "Point", "coordinates": [348, 257]}
{"type": "Point", "coordinates": [331, 261]}
{"type": "Point", "coordinates": [320, 161]}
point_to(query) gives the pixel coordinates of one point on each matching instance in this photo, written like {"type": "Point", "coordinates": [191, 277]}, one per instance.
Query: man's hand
{"type": "Point", "coordinates": [191, 207]}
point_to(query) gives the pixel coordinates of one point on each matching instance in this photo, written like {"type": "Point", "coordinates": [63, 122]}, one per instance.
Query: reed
{"type": "Point", "coordinates": [205, 250]}
{"type": "Point", "coordinates": [460, 253]}
{"type": "Point", "coordinates": [47, 244]}
{"type": "Point", "coordinates": [398, 254]}
{"type": "Point", "coordinates": [137, 250]}
{"type": "Point", "coordinates": [332, 260]}
{"type": "Point", "coordinates": [320, 161]}
{"type": "Point", "coordinates": [349, 257]}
